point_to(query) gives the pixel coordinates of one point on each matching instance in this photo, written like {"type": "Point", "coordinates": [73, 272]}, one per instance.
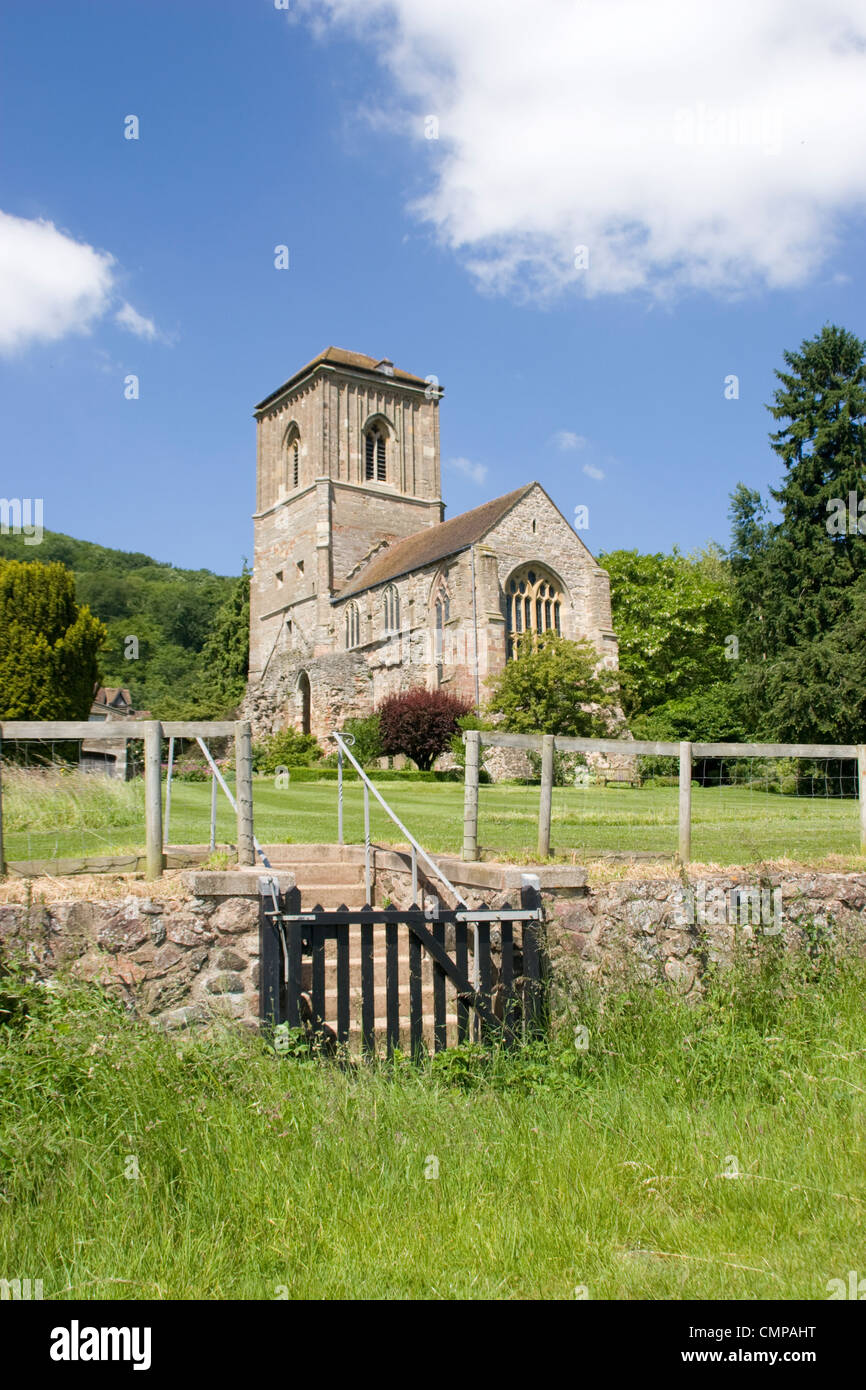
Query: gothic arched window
{"type": "Point", "coordinates": [353, 625]}
{"type": "Point", "coordinates": [533, 604]}
{"type": "Point", "coordinates": [391, 608]}
{"type": "Point", "coordinates": [292, 458]}
{"type": "Point", "coordinates": [374, 454]}
{"type": "Point", "coordinates": [441, 615]}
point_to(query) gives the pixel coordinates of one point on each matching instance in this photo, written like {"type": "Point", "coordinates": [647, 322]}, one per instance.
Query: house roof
{"type": "Point", "coordinates": [107, 694]}
{"type": "Point", "coordinates": [426, 547]}
{"type": "Point", "coordinates": [358, 361]}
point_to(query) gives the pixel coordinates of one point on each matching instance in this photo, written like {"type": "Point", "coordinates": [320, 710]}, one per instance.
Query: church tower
{"type": "Point", "coordinates": [347, 461]}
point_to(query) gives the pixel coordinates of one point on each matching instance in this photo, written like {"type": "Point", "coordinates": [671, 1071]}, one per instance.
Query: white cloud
{"type": "Point", "coordinates": [567, 439]}
{"type": "Point", "coordinates": [130, 318]}
{"type": "Point", "coordinates": [52, 285]}
{"type": "Point", "coordinates": [592, 472]}
{"type": "Point", "coordinates": [716, 147]}
{"type": "Point", "coordinates": [476, 472]}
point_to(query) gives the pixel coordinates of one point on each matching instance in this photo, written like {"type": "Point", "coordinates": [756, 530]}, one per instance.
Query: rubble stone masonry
{"type": "Point", "coordinates": [190, 959]}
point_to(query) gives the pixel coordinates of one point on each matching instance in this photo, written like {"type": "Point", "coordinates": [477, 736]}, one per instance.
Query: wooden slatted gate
{"type": "Point", "coordinates": [501, 996]}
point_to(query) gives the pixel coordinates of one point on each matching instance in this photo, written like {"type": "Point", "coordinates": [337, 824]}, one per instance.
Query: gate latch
{"type": "Point", "coordinates": [269, 885]}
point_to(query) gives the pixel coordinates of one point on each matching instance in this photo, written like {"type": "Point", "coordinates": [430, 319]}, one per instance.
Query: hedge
{"type": "Point", "coordinates": [378, 774]}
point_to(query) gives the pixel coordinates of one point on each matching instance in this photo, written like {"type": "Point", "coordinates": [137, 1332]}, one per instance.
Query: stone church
{"type": "Point", "coordinates": [360, 586]}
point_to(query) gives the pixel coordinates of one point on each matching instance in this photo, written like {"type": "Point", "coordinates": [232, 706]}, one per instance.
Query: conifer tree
{"type": "Point", "coordinates": [801, 582]}
{"type": "Point", "coordinates": [49, 646]}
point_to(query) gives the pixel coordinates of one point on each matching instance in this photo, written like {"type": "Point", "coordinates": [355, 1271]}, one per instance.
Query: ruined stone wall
{"type": "Point", "coordinates": [341, 688]}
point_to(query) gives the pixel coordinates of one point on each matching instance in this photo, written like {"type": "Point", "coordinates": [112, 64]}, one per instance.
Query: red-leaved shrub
{"type": "Point", "coordinates": [420, 723]}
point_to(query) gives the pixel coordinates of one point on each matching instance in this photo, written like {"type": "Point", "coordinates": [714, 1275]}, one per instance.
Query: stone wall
{"type": "Point", "coordinates": [660, 929]}
{"type": "Point", "coordinates": [184, 960]}
{"type": "Point", "coordinates": [178, 960]}
{"type": "Point", "coordinates": [673, 930]}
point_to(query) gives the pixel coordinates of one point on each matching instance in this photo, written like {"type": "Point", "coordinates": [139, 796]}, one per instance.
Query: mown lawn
{"type": "Point", "coordinates": [729, 824]}
{"type": "Point", "coordinates": [716, 1151]}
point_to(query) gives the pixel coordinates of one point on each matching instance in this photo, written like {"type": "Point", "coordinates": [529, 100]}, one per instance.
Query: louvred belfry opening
{"type": "Point", "coordinates": [374, 457]}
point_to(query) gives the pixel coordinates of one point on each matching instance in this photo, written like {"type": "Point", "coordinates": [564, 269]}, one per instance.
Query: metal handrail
{"type": "Point", "coordinates": [343, 748]}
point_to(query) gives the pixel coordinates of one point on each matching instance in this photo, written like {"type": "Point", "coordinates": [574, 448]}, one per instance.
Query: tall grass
{"type": "Point", "coordinates": [136, 1164]}
{"type": "Point", "coordinates": [53, 797]}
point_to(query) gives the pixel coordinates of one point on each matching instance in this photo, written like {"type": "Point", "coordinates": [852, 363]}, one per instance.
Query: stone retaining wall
{"type": "Point", "coordinates": [673, 930]}
{"type": "Point", "coordinates": [665, 929]}
{"type": "Point", "coordinates": [186, 959]}
{"type": "Point", "coordinates": [179, 960]}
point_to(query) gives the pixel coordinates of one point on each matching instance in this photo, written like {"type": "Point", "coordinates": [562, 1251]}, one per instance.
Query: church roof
{"type": "Point", "coordinates": [435, 543]}
{"type": "Point", "coordinates": [358, 361]}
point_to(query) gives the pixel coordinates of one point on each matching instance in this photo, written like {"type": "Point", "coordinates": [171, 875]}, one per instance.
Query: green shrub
{"type": "Point", "coordinates": [287, 748]}
{"type": "Point", "coordinates": [368, 738]}
{"type": "Point", "coordinates": [188, 770]}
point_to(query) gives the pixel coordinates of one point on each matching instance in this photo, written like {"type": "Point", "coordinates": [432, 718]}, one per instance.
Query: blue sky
{"type": "Point", "coordinates": [708, 256]}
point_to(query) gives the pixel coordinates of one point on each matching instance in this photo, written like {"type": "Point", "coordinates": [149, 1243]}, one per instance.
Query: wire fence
{"type": "Point", "coordinates": [774, 808]}
{"type": "Point", "coordinates": [189, 819]}
{"type": "Point", "coordinates": [62, 802]}
{"type": "Point", "coordinates": [93, 795]}
{"type": "Point", "coordinates": [708, 803]}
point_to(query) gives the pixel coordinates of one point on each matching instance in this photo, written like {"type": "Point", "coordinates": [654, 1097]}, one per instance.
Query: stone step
{"type": "Point", "coordinates": [314, 873]}
{"type": "Point", "coordinates": [380, 1004]}
{"type": "Point", "coordinates": [380, 975]}
{"type": "Point", "coordinates": [380, 1032]}
{"type": "Point", "coordinates": [331, 900]}
{"type": "Point", "coordinates": [290, 855]}
{"type": "Point", "coordinates": [380, 1023]}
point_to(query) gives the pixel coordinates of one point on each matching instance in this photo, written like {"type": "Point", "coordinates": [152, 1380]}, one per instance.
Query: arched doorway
{"type": "Point", "coordinates": [304, 694]}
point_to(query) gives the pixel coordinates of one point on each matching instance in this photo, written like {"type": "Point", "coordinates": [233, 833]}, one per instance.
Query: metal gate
{"type": "Point", "coordinates": [481, 972]}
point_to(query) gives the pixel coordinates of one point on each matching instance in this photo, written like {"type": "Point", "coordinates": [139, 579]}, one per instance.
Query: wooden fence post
{"type": "Point", "coordinates": [153, 796]}
{"type": "Point", "coordinates": [244, 791]}
{"type": "Point", "coordinates": [534, 958]}
{"type": "Point", "coordinates": [548, 743]}
{"type": "Point", "coordinates": [861, 792]}
{"type": "Point", "coordinates": [685, 842]}
{"type": "Point", "coordinates": [470, 795]}
{"type": "Point", "coordinates": [2, 862]}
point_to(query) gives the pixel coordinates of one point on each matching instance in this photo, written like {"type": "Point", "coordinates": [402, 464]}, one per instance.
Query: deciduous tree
{"type": "Point", "coordinates": [556, 686]}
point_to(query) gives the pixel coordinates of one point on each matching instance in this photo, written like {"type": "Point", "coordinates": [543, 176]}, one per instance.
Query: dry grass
{"type": "Point", "coordinates": [92, 888]}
